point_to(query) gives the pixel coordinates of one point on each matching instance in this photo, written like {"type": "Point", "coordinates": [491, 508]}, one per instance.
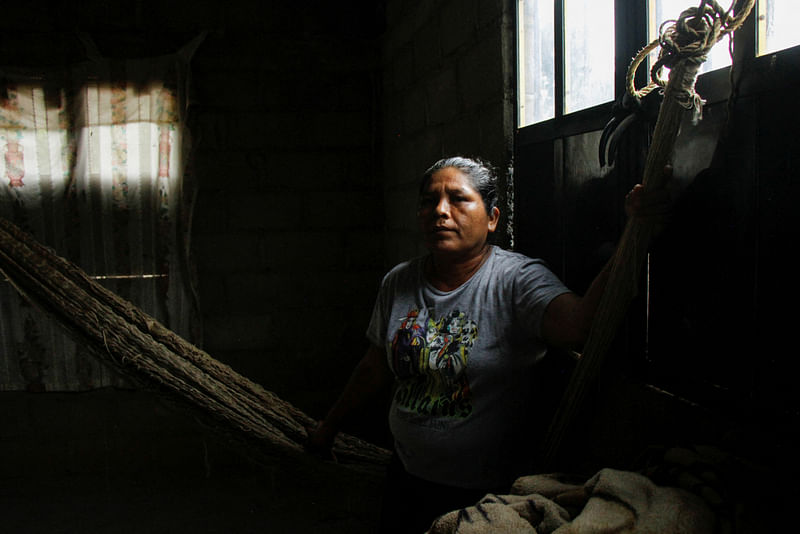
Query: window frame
{"type": "Point", "coordinates": [627, 19]}
{"type": "Point", "coordinates": [631, 35]}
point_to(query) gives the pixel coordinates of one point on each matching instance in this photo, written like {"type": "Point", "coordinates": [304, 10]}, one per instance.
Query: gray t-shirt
{"type": "Point", "coordinates": [463, 361]}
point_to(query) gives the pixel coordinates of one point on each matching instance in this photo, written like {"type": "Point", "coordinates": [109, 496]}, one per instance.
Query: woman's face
{"type": "Point", "coordinates": [452, 215]}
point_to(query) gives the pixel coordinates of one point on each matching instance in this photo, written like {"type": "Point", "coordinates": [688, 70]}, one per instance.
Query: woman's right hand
{"type": "Point", "coordinates": [319, 441]}
{"type": "Point", "coordinates": [371, 376]}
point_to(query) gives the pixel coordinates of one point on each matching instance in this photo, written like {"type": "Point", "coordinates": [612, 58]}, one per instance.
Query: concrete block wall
{"type": "Point", "coordinates": [288, 231]}
{"type": "Point", "coordinates": [447, 90]}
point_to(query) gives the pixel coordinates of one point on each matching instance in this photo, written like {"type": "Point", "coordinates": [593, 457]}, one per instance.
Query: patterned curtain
{"type": "Point", "coordinates": [94, 166]}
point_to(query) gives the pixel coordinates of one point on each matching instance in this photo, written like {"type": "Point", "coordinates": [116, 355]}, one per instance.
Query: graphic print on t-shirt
{"type": "Point", "coordinates": [430, 358]}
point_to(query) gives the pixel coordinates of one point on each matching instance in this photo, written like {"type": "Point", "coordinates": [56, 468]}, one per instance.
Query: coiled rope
{"type": "Point", "coordinates": [688, 40]}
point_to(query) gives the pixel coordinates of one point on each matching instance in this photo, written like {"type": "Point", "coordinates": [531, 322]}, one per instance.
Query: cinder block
{"type": "Point", "coordinates": [352, 56]}
{"type": "Point", "coordinates": [410, 156]}
{"type": "Point", "coordinates": [480, 73]}
{"type": "Point", "coordinates": [210, 130]}
{"type": "Point", "coordinates": [211, 212]}
{"type": "Point", "coordinates": [399, 70]}
{"type": "Point", "coordinates": [364, 249]}
{"type": "Point", "coordinates": [213, 289]}
{"type": "Point", "coordinates": [341, 209]}
{"type": "Point", "coordinates": [341, 288]}
{"type": "Point", "coordinates": [238, 332]}
{"type": "Point", "coordinates": [253, 293]}
{"type": "Point", "coordinates": [174, 16]}
{"type": "Point", "coordinates": [286, 130]}
{"type": "Point", "coordinates": [303, 90]}
{"type": "Point", "coordinates": [263, 210]}
{"type": "Point", "coordinates": [495, 138]}
{"type": "Point", "coordinates": [217, 169]}
{"type": "Point", "coordinates": [272, 17]}
{"type": "Point", "coordinates": [394, 9]}
{"type": "Point", "coordinates": [402, 27]}
{"type": "Point", "coordinates": [253, 131]}
{"type": "Point", "coordinates": [398, 167]}
{"type": "Point", "coordinates": [334, 129]}
{"type": "Point", "coordinates": [425, 149]}
{"type": "Point", "coordinates": [420, 13]}
{"type": "Point", "coordinates": [391, 122]}
{"type": "Point", "coordinates": [414, 110]}
{"type": "Point", "coordinates": [490, 10]}
{"type": "Point", "coordinates": [229, 253]}
{"type": "Point", "coordinates": [443, 96]}
{"type": "Point", "coordinates": [401, 208]}
{"type": "Point", "coordinates": [427, 48]}
{"type": "Point", "coordinates": [360, 170]}
{"type": "Point", "coordinates": [239, 92]}
{"type": "Point", "coordinates": [303, 251]}
{"type": "Point", "coordinates": [458, 25]}
{"type": "Point", "coordinates": [354, 92]}
{"type": "Point", "coordinates": [300, 169]}
{"type": "Point", "coordinates": [462, 136]}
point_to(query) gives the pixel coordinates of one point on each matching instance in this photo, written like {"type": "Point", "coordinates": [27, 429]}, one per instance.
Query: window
{"type": "Point", "coordinates": [563, 71]}
{"type": "Point", "coordinates": [92, 167]}
{"type": "Point", "coordinates": [114, 146]}
{"type": "Point", "coordinates": [536, 63]}
{"type": "Point", "coordinates": [777, 25]}
{"type": "Point", "coordinates": [566, 49]}
{"type": "Point", "coordinates": [588, 53]}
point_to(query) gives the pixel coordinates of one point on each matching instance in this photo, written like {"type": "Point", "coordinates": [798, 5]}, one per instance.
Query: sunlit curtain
{"type": "Point", "coordinates": [93, 166]}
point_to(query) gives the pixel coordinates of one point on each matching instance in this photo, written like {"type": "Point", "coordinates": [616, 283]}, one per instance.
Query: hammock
{"type": "Point", "coordinates": [136, 345]}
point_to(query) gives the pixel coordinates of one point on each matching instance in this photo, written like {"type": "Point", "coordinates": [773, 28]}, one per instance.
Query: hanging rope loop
{"type": "Point", "coordinates": [687, 41]}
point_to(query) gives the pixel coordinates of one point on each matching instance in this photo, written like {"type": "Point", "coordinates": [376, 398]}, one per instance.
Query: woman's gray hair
{"type": "Point", "coordinates": [481, 174]}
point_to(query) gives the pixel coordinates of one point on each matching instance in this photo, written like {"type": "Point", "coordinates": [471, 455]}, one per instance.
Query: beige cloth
{"type": "Point", "coordinates": [611, 501]}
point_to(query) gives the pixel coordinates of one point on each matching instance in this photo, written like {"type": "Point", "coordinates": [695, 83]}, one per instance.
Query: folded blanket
{"type": "Point", "coordinates": [611, 501]}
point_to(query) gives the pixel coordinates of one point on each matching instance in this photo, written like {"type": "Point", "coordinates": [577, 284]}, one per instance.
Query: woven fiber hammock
{"type": "Point", "coordinates": [684, 43]}
{"type": "Point", "coordinates": [136, 345]}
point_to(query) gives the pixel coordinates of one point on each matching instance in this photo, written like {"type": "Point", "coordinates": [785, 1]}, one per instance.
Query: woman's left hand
{"type": "Point", "coordinates": [649, 206]}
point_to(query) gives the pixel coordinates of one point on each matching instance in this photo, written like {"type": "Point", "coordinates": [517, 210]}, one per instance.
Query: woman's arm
{"type": "Point", "coordinates": [568, 318]}
{"type": "Point", "coordinates": [370, 377]}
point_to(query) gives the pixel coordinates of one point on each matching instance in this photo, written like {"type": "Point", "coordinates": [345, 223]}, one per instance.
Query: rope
{"type": "Point", "coordinates": [687, 40]}
{"type": "Point", "coordinates": [685, 44]}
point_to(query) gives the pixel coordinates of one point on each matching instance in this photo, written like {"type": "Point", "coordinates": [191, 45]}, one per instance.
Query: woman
{"type": "Point", "coordinates": [458, 333]}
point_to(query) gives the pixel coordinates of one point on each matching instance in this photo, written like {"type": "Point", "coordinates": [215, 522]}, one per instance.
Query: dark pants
{"type": "Point", "coordinates": [410, 504]}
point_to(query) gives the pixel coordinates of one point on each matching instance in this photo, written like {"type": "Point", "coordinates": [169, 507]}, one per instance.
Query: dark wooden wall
{"type": "Point", "coordinates": [706, 349]}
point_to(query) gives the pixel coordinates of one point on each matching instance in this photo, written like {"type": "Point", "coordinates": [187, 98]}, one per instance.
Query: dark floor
{"type": "Point", "coordinates": [121, 462]}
